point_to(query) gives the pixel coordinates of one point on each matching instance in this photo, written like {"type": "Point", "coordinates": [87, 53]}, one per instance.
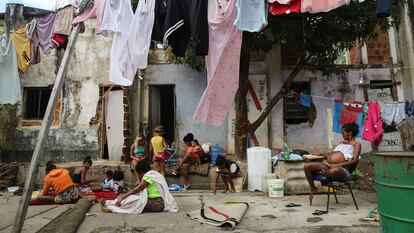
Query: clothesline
{"type": "Point", "coordinates": [330, 98]}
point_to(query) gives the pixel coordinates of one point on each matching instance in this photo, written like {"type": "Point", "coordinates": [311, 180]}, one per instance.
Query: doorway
{"type": "Point", "coordinates": [162, 110]}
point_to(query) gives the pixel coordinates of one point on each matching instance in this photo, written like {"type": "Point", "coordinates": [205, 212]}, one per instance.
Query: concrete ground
{"type": "Point", "coordinates": [265, 215]}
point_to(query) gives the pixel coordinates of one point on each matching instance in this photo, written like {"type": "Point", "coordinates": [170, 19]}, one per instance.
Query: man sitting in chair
{"type": "Point", "coordinates": [340, 163]}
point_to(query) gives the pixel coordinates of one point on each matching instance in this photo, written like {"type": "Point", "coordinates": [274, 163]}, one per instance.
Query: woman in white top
{"type": "Point", "coordinates": [340, 162]}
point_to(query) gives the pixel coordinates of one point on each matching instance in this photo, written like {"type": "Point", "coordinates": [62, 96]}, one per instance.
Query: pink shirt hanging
{"type": "Point", "coordinates": [372, 130]}
{"type": "Point", "coordinates": [222, 63]}
{"type": "Point", "coordinates": [315, 6]}
{"type": "Point", "coordinates": [94, 12]}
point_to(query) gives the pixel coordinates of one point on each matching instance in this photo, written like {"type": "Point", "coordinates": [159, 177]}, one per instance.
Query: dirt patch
{"type": "Point", "coordinates": [122, 229]}
{"type": "Point", "coordinates": [269, 216]}
{"type": "Point", "coordinates": [314, 219]}
{"type": "Point", "coordinates": [289, 210]}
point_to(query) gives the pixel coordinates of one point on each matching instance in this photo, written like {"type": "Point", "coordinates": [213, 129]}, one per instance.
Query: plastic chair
{"type": "Point", "coordinates": [325, 180]}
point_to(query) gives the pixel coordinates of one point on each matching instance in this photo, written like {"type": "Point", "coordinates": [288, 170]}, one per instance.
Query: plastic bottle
{"type": "Point", "coordinates": [215, 151]}
{"type": "Point", "coordinates": [286, 152]}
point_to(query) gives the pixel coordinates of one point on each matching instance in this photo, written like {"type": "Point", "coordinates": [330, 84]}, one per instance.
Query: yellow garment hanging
{"type": "Point", "coordinates": [22, 45]}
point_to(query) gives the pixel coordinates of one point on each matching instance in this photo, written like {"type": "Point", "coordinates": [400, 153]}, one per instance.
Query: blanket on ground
{"type": "Point", "coordinates": [226, 215]}
{"type": "Point", "coordinates": [135, 204]}
{"type": "Point", "coordinates": [107, 195]}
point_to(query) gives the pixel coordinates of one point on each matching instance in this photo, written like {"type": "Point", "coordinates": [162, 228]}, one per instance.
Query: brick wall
{"type": "Point", "coordinates": [378, 49]}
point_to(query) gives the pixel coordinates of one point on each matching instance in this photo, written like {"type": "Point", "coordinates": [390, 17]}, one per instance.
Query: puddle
{"type": "Point", "coordinates": [269, 216]}
{"type": "Point", "coordinates": [314, 219]}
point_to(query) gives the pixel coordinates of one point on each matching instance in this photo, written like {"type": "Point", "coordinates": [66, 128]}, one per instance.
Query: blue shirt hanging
{"type": "Point", "coordinates": [383, 8]}
{"type": "Point", "coordinates": [305, 100]}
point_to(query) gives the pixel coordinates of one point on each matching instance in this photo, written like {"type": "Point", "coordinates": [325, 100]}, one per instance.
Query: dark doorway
{"type": "Point", "coordinates": [162, 110]}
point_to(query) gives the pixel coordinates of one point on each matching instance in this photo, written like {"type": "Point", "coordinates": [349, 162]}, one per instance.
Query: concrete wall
{"type": "Point", "coordinates": [303, 136]}
{"type": "Point", "coordinates": [72, 138]}
{"type": "Point", "coordinates": [189, 86]}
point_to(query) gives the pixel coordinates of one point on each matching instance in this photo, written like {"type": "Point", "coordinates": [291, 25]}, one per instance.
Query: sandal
{"type": "Point", "coordinates": [319, 212]}
{"type": "Point", "coordinates": [293, 205]}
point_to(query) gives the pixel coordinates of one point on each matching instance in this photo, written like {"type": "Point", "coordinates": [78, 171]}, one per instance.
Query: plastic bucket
{"type": "Point", "coordinates": [265, 181]}
{"type": "Point", "coordinates": [276, 188]}
{"type": "Point", "coordinates": [238, 184]}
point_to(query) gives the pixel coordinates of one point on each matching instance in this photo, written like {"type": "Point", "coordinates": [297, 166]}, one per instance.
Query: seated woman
{"type": "Point", "coordinates": [79, 177]}
{"type": "Point", "coordinates": [60, 182]}
{"type": "Point", "coordinates": [340, 163]}
{"type": "Point", "coordinates": [187, 161]}
{"type": "Point", "coordinates": [150, 195]}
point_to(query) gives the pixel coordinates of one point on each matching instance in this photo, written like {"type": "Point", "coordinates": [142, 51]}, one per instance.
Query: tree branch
{"type": "Point", "coordinates": [275, 99]}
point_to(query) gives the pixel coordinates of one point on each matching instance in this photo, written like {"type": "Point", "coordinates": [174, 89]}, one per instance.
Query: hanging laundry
{"type": "Point", "coordinates": [283, 2]}
{"type": "Point", "coordinates": [30, 28]}
{"type": "Point", "coordinates": [347, 112]}
{"type": "Point", "coordinates": [280, 9]}
{"type": "Point", "coordinates": [134, 54]}
{"type": "Point", "coordinates": [222, 62]}
{"type": "Point", "coordinates": [63, 21]}
{"type": "Point", "coordinates": [22, 45]}
{"type": "Point", "coordinates": [383, 8]}
{"type": "Point", "coordinates": [372, 130]}
{"type": "Point", "coordinates": [117, 18]}
{"type": "Point", "coordinates": [60, 4]}
{"type": "Point", "coordinates": [96, 11]}
{"type": "Point", "coordinates": [316, 6]}
{"type": "Point", "coordinates": [59, 41]}
{"type": "Point", "coordinates": [10, 90]}
{"type": "Point", "coordinates": [251, 15]}
{"type": "Point", "coordinates": [159, 21]}
{"type": "Point", "coordinates": [84, 5]}
{"type": "Point", "coordinates": [409, 108]}
{"type": "Point", "coordinates": [305, 100]}
{"type": "Point", "coordinates": [43, 33]}
{"type": "Point", "coordinates": [34, 47]}
{"type": "Point", "coordinates": [392, 112]}
{"type": "Point", "coordinates": [187, 19]}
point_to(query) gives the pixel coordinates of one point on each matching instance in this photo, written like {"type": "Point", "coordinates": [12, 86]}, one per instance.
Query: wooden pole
{"type": "Point", "coordinates": [394, 82]}
{"type": "Point", "coordinates": [44, 131]}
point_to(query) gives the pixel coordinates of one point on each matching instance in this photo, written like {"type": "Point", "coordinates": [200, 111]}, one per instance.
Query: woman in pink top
{"type": "Point", "coordinates": [187, 161]}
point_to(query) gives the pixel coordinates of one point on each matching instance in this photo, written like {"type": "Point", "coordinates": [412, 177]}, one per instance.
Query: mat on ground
{"type": "Point", "coordinates": [107, 195]}
{"type": "Point", "coordinates": [226, 215]}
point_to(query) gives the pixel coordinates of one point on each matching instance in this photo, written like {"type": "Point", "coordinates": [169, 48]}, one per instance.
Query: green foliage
{"type": "Point", "coordinates": [190, 59]}
{"type": "Point", "coordinates": [134, 4]}
{"type": "Point", "coordinates": [324, 36]}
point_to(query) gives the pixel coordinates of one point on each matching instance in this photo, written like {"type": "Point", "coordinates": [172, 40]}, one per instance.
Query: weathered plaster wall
{"type": "Point", "coordinates": [405, 38]}
{"type": "Point", "coordinates": [73, 138]}
{"type": "Point", "coordinates": [189, 86]}
{"type": "Point", "coordinates": [305, 137]}
{"type": "Point", "coordinates": [8, 124]}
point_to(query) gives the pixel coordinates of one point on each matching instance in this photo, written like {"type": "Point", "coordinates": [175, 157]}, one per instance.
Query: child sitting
{"type": "Point", "coordinates": [197, 151]}
{"type": "Point", "coordinates": [109, 181]}
{"type": "Point", "coordinates": [228, 170]}
{"type": "Point", "coordinates": [118, 181]}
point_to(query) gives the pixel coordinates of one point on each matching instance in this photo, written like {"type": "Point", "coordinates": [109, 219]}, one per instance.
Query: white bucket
{"type": "Point", "coordinates": [276, 187]}
{"type": "Point", "coordinates": [265, 181]}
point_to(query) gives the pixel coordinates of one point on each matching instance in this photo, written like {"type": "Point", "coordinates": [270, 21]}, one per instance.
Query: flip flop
{"type": "Point", "coordinates": [293, 205]}
{"type": "Point", "coordinates": [320, 212]}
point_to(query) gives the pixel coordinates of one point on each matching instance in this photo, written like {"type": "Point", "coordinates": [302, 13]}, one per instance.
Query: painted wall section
{"type": "Point", "coordinates": [73, 138]}
{"type": "Point", "coordinates": [189, 86]}
{"type": "Point", "coordinates": [302, 136]}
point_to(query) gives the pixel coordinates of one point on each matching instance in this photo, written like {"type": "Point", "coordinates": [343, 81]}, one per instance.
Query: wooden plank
{"type": "Point", "coordinates": [44, 132]}
{"type": "Point", "coordinates": [70, 220]}
{"type": "Point", "coordinates": [394, 82]}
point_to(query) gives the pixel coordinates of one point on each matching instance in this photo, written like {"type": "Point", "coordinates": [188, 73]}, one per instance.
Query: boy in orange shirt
{"type": "Point", "coordinates": [60, 181]}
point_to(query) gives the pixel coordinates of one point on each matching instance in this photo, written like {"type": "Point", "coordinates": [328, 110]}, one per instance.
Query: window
{"type": "Point", "coordinates": [294, 113]}
{"type": "Point", "coordinates": [36, 100]}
